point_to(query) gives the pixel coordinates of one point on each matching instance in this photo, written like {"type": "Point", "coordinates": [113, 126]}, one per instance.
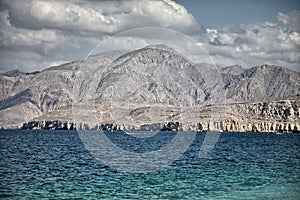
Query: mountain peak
{"type": "Point", "coordinates": [158, 53]}
{"type": "Point", "coordinates": [160, 46]}
{"type": "Point", "coordinates": [267, 68]}
{"type": "Point", "coordinates": [234, 69]}
{"type": "Point", "coordinates": [13, 73]}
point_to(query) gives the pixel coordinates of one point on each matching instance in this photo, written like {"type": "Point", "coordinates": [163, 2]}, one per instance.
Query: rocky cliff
{"type": "Point", "coordinates": [150, 79]}
{"type": "Point", "coordinates": [268, 116]}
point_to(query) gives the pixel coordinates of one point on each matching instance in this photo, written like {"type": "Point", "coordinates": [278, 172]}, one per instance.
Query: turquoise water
{"type": "Point", "coordinates": [56, 165]}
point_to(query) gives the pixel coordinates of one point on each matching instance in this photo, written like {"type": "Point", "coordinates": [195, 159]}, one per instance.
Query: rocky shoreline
{"type": "Point", "coordinates": [224, 126]}
{"type": "Point", "coordinates": [269, 116]}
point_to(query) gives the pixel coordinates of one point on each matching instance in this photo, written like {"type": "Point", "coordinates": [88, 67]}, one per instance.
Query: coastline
{"type": "Point", "coordinates": [223, 126]}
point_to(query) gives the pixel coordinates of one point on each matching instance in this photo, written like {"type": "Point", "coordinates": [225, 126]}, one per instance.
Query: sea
{"type": "Point", "coordinates": [55, 164]}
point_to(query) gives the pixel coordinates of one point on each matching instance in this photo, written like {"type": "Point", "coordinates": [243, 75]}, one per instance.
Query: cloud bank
{"type": "Point", "coordinates": [37, 34]}
{"type": "Point", "coordinates": [254, 44]}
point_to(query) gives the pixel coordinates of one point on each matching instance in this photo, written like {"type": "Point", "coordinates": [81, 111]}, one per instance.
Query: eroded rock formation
{"type": "Point", "coordinates": [268, 116]}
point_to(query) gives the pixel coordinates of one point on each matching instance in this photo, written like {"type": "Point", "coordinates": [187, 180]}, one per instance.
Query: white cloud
{"type": "Point", "coordinates": [35, 34]}
{"type": "Point", "coordinates": [290, 20]}
{"type": "Point", "coordinates": [11, 35]}
{"type": "Point", "coordinates": [66, 30]}
{"type": "Point", "coordinates": [255, 44]}
{"type": "Point", "coordinates": [104, 16]}
{"type": "Point", "coordinates": [32, 60]}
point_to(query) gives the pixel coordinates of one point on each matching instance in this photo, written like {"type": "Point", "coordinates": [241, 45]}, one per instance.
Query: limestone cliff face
{"type": "Point", "coordinates": [271, 116]}
{"type": "Point", "coordinates": [268, 116]}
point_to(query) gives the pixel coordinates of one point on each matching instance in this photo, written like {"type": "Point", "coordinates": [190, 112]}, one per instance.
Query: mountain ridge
{"type": "Point", "coordinates": [153, 74]}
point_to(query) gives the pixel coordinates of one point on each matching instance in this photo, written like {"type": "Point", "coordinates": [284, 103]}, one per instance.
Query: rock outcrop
{"type": "Point", "coordinates": [153, 75]}
{"type": "Point", "coordinates": [268, 116]}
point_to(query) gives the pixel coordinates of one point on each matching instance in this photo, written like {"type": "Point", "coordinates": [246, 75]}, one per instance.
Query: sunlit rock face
{"type": "Point", "coordinates": [150, 78]}
{"type": "Point", "coordinates": [269, 116]}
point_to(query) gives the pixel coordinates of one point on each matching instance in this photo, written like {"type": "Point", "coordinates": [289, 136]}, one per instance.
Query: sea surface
{"type": "Point", "coordinates": [56, 165]}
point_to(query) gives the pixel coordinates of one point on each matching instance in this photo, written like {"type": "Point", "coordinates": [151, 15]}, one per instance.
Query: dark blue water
{"type": "Point", "coordinates": [56, 165]}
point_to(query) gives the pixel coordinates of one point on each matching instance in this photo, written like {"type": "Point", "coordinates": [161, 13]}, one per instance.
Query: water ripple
{"type": "Point", "coordinates": [55, 165]}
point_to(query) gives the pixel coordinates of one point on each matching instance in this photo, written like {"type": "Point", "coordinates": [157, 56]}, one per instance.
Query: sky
{"type": "Point", "coordinates": [37, 34]}
{"type": "Point", "coordinates": [217, 14]}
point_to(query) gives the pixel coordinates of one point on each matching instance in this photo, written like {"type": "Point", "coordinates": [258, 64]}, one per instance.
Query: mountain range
{"type": "Point", "coordinates": [153, 75]}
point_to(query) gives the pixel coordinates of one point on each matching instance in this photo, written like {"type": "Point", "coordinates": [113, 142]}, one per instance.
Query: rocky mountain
{"type": "Point", "coordinates": [261, 83]}
{"type": "Point", "coordinates": [154, 75]}
{"type": "Point", "coordinates": [13, 73]}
